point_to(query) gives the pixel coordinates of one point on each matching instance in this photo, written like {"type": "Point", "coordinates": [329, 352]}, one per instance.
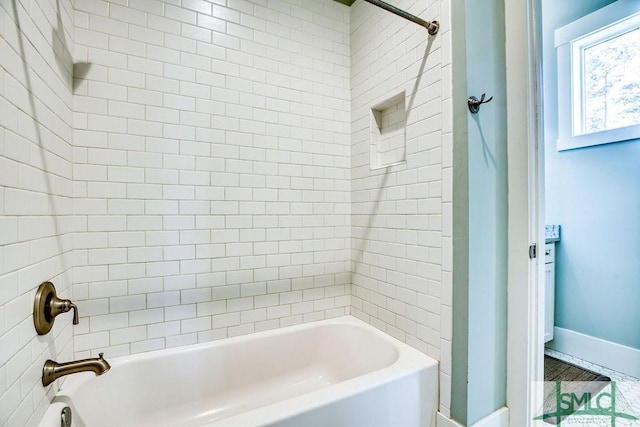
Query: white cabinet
{"type": "Point", "coordinates": [550, 288]}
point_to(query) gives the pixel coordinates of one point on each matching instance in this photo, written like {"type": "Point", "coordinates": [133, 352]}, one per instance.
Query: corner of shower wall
{"type": "Point", "coordinates": [402, 218]}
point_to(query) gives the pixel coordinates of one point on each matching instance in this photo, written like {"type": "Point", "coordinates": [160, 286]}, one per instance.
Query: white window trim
{"type": "Point", "coordinates": [595, 22]}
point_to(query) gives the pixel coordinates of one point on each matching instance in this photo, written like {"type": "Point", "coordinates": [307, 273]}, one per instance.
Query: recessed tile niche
{"type": "Point", "coordinates": [387, 132]}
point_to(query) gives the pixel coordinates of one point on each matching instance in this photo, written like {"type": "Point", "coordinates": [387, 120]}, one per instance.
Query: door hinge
{"type": "Point", "coordinates": [533, 251]}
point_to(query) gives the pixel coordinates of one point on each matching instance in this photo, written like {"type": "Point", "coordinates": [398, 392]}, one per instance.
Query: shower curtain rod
{"type": "Point", "coordinates": [432, 27]}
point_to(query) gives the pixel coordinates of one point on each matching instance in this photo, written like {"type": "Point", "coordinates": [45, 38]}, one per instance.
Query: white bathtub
{"type": "Point", "coordinates": [339, 372]}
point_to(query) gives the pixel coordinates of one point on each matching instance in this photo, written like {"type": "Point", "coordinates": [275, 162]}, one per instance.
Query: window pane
{"type": "Point", "coordinates": [612, 83]}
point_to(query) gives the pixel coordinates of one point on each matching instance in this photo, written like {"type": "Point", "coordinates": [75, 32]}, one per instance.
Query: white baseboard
{"type": "Point", "coordinates": [443, 421]}
{"type": "Point", "coordinates": [499, 418]}
{"type": "Point", "coordinates": [614, 356]}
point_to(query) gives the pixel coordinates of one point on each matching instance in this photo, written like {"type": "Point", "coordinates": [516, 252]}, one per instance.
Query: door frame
{"type": "Point", "coordinates": [525, 299]}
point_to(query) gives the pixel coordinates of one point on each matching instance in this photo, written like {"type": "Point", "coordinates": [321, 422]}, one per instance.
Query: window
{"type": "Point", "coordinates": [610, 82]}
{"type": "Point", "coordinates": [599, 77]}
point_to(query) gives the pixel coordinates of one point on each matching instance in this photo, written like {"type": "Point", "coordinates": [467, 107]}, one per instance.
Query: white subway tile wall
{"type": "Point", "coordinates": [200, 170]}
{"type": "Point", "coordinates": [401, 214]}
{"type": "Point", "coordinates": [211, 169]}
{"type": "Point", "coordinates": [36, 189]}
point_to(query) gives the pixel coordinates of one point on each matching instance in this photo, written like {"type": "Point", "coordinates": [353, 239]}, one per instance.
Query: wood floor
{"type": "Point", "coordinates": [558, 370]}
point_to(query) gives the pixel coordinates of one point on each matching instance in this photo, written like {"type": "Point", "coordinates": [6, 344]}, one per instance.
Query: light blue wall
{"type": "Point", "coordinates": [481, 330]}
{"type": "Point", "coordinates": [460, 342]}
{"type": "Point", "coordinates": [487, 209]}
{"type": "Point", "coordinates": [594, 193]}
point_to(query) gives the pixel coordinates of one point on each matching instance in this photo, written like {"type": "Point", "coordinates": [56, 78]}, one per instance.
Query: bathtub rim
{"type": "Point", "coordinates": [346, 320]}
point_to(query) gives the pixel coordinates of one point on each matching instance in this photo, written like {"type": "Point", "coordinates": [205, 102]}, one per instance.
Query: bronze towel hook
{"type": "Point", "coordinates": [474, 103]}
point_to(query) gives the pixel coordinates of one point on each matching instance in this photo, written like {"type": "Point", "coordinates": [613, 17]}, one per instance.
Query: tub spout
{"type": "Point", "coordinates": [54, 370]}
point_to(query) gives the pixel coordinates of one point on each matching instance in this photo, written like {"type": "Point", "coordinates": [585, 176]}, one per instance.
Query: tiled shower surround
{"type": "Point", "coordinates": [190, 170]}
{"type": "Point", "coordinates": [211, 170]}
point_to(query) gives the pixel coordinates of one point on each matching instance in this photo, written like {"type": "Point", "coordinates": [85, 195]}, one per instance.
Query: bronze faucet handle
{"type": "Point", "coordinates": [47, 305]}
{"type": "Point", "coordinates": [76, 320]}
{"type": "Point", "coordinates": [57, 306]}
